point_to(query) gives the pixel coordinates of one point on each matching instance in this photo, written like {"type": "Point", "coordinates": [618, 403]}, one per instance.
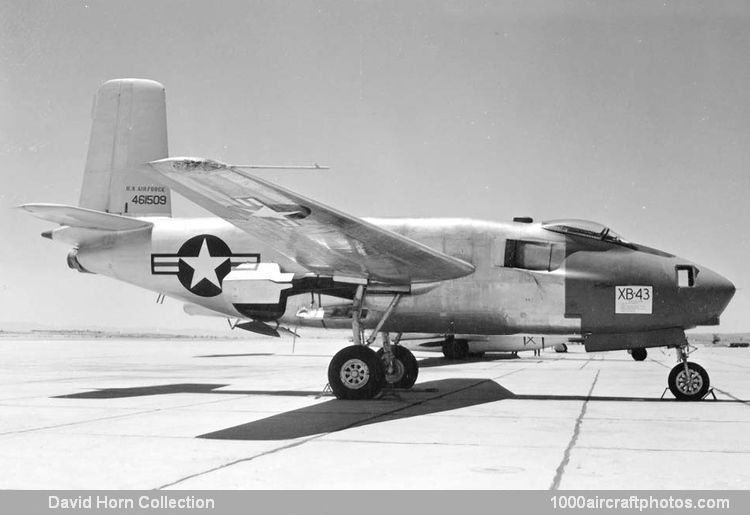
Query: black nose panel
{"type": "Point", "coordinates": [617, 289]}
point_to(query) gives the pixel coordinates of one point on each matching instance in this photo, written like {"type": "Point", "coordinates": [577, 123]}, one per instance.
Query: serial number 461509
{"type": "Point", "coordinates": [149, 199]}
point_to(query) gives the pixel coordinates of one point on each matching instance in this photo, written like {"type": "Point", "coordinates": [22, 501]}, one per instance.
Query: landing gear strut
{"type": "Point", "coordinates": [357, 372]}
{"type": "Point", "coordinates": [688, 381]}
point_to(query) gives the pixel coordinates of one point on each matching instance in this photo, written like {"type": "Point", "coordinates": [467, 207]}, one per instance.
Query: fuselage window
{"type": "Point", "coordinates": [529, 255]}
{"type": "Point", "coordinates": [686, 276]}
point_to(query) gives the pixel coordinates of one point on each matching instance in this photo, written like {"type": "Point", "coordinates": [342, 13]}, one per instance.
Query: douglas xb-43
{"type": "Point", "coordinates": [272, 256]}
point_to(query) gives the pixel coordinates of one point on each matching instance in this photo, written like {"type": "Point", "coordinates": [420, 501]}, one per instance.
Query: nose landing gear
{"type": "Point", "coordinates": [688, 381]}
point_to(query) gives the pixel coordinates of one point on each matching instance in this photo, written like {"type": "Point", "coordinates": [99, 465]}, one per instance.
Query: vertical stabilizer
{"type": "Point", "coordinates": [129, 128]}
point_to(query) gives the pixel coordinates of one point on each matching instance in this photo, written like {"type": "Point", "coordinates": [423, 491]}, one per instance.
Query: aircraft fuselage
{"type": "Point", "coordinates": [527, 279]}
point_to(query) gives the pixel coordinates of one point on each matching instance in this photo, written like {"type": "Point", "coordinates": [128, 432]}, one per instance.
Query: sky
{"type": "Point", "coordinates": [634, 114]}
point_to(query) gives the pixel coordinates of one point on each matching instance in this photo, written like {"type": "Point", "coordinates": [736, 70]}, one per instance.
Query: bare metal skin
{"type": "Point", "coordinates": [576, 297]}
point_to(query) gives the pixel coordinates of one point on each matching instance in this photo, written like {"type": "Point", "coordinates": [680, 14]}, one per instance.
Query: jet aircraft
{"type": "Point", "coordinates": [272, 256]}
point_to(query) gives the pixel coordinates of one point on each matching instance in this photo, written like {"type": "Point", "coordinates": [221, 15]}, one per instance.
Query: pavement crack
{"type": "Point", "coordinates": [77, 422]}
{"type": "Point", "coordinates": [576, 431]}
{"type": "Point", "coordinates": [109, 417]}
{"type": "Point", "coordinates": [591, 358]}
{"type": "Point", "coordinates": [743, 401]}
{"type": "Point", "coordinates": [241, 460]}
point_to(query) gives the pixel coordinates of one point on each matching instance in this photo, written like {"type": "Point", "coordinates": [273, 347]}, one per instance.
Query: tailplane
{"type": "Point", "coordinates": [83, 218]}
{"type": "Point", "coordinates": [129, 128]}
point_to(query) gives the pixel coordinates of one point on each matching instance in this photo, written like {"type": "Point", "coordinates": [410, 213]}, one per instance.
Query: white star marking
{"type": "Point", "coordinates": [267, 212]}
{"type": "Point", "coordinates": [204, 266]}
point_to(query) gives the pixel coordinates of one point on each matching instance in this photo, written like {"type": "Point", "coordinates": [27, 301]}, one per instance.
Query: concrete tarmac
{"type": "Point", "coordinates": [249, 414]}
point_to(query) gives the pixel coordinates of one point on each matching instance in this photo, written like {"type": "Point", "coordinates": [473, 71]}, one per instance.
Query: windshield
{"type": "Point", "coordinates": [584, 228]}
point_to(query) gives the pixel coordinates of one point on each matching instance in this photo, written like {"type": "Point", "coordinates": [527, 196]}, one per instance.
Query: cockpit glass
{"type": "Point", "coordinates": [584, 228]}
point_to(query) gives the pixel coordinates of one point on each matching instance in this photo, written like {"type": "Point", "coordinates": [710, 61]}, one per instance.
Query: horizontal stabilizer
{"type": "Point", "coordinates": [84, 218]}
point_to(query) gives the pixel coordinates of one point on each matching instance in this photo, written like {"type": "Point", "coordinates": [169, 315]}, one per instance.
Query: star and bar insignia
{"type": "Point", "coordinates": [201, 264]}
{"type": "Point", "coordinates": [281, 214]}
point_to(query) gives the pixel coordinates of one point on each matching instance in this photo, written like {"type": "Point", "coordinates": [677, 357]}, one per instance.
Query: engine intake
{"type": "Point", "coordinates": [74, 263]}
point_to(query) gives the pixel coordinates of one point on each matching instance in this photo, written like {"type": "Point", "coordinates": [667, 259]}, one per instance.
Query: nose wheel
{"type": "Point", "coordinates": [688, 381]}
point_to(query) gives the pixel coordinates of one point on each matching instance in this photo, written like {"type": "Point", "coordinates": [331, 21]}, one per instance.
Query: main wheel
{"type": "Point", "coordinates": [561, 347]}
{"type": "Point", "coordinates": [405, 367]}
{"type": "Point", "coordinates": [691, 386]}
{"type": "Point", "coordinates": [356, 373]}
{"type": "Point", "coordinates": [455, 349]}
{"type": "Point", "coordinates": [639, 354]}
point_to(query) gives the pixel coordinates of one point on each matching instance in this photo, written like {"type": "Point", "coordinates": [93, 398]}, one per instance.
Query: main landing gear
{"type": "Point", "coordinates": [358, 372]}
{"type": "Point", "coordinates": [688, 381]}
{"type": "Point", "coordinates": [639, 353]}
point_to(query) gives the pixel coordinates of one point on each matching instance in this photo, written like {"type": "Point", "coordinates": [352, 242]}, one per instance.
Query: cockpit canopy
{"type": "Point", "coordinates": [583, 228]}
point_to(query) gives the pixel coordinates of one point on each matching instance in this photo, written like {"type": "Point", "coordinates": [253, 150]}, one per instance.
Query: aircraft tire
{"type": "Point", "coordinates": [561, 347]}
{"type": "Point", "coordinates": [455, 349]}
{"type": "Point", "coordinates": [639, 354]}
{"type": "Point", "coordinates": [688, 391]}
{"type": "Point", "coordinates": [407, 368]}
{"type": "Point", "coordinates": [356, 373]}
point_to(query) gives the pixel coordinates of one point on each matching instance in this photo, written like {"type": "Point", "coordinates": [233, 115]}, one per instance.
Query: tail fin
{"type": "Point", "coordinates": [129, 128]}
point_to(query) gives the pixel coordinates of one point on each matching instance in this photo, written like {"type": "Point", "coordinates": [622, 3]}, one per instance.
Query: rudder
{"type": "Point", "coordinates": [129, 128]}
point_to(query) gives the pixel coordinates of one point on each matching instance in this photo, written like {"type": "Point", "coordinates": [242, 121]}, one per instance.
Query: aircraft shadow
{"type": "Point", "coordinates": [144, 391]}
{"type": "Point", "coordinates": [337, 415]}
{"type": "Point", "coordinates": [443, 395]}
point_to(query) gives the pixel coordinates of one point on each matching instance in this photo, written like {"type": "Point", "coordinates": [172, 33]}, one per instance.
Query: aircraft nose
{"type": "Point", "coordinates": [716, 290]}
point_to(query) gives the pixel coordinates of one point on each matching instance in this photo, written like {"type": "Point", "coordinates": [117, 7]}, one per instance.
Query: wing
{"type": "Point", "coordinates": [319, 238]}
